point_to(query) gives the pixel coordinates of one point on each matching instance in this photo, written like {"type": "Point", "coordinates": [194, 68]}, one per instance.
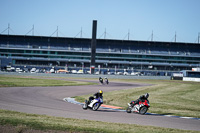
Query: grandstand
{"type": "Point", "coordinates": [75, 53]}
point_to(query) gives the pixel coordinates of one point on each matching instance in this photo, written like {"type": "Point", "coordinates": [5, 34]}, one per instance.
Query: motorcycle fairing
{"type": "Point", "coordinates": [94, 101]}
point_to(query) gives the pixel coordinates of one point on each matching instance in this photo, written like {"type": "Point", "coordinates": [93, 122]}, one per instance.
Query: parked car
{"type": "Point", "coordinates": [135, 73]}
{"type": "Point", "coordinates": [74, 71]}
{"type": "Point", "coordinates": [33, 70]}
{"type": "Point", "coordinates": [97, 73]}
{"type": "Point", "coordinates": [62, 71]}
{"type": "Point", "coordinates": [18, 70]}
{"type": "Point", "coordinates": [126, 73]}
{"type": "Point", "coordinates": [110, 73]}
{"type": "Point", "coordinates": [119, 73]}
{"type": "Point", "coordinates": [80, 72]}
{"type": "Point", "coordinates": [52, 70]}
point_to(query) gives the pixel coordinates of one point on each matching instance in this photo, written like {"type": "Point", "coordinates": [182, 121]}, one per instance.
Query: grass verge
{"type": "Point", "coordinates": [10, 81]}
{"type": "Point", "coordinates": [45, 123]}
{"type": "Point", "coordinates": [166, 97]}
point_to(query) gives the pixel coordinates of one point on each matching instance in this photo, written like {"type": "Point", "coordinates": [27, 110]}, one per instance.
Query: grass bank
{"type": "Point", "coordinates": [27, 122]}
{"type": "Point", "coordinates": [16, 81]}
{"type": "Point", "coordinates": [166, 97]}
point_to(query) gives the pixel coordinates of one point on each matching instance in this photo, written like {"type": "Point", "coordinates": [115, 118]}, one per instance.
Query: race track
{"type": "Point", "coordinates": [49, 101]}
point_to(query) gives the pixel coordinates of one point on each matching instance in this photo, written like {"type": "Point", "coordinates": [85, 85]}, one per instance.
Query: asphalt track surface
{"type": "Point", "coordinates": [49, 101]}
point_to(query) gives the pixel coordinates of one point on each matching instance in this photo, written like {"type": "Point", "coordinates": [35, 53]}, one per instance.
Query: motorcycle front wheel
{"type": "Point", "coordinates": [128, 110]}
{"type": "Point", "coordinates": [95, 106]}
{"type": "Point", "coordinates": [143, 110]}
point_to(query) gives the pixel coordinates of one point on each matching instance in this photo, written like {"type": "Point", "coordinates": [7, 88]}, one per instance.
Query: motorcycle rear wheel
{"type": "Point", "coordinates": [128, 110]}
{"type": "Point", "coordinates": [84, 106]}
{"type": "Point", "coordinates": [143, 110]}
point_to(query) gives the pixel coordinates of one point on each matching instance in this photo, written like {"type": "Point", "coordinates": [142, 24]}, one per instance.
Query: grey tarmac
{"type": "Point", "coordinates": [49, 101]}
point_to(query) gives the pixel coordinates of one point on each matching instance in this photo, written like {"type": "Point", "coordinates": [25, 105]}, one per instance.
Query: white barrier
{"type": "Point", "coordinates": [191, 79]}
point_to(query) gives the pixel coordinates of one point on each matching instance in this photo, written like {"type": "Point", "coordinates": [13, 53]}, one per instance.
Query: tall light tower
{"type": "Point", "coordinates": [93, 46]}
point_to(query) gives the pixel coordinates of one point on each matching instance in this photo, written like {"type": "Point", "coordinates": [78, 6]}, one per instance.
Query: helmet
{"type": "Point", "coordinates": [146, 95]}
{"type": "Point", "coordinates": [100, 91]}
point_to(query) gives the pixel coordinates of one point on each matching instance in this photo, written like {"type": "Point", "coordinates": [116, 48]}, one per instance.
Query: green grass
{"type": "Point", "coordinates": [25, 121]}
{"type": "Point", "coordinates": [166, 97]}
{"type": "Point", "coordinates": [13, 81]}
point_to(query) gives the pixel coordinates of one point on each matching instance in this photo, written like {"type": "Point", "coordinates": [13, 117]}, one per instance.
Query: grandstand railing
{"type": "Point", "coordinates": [172, 51]}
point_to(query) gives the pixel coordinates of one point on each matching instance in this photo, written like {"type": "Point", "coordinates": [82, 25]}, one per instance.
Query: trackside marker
{"type": "Point", "coordinates": [109, 106]}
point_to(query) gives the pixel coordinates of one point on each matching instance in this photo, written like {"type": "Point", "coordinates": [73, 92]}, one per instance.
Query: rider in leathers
{"type": "Point", "coordinates": [100, 80]}
{"type": "Point", "coordinates": [96, 95]}
{"type": "Point", "coordinates": [106, 80]}
{"type": "Point", "coordinates": [142, 98]}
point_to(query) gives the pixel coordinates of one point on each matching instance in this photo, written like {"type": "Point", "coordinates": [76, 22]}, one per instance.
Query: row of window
{"type": "Point", "coordinates": [105, 55]}
{"type": "Point", "coordinates": [102, 59]}
{"type": "Point", "coordinates": [103, 65]}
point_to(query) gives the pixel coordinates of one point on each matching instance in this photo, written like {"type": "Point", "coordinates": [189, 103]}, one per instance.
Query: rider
{"type": "Point", "coordinates": [142, 98]}
{"type": "Point", "coordinates": [106, 80]}
{"type": "Point", "coordinates": [100, 80]}
{"type": "Point", "coordinates": [96, 95]}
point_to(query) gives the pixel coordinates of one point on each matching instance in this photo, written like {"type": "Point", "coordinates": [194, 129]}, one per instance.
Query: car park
{"type": "Point", "coordinates": [74, 71]}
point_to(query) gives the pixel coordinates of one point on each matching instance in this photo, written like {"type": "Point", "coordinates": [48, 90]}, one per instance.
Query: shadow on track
{"type": "Point", "coordinates": [104, 110]}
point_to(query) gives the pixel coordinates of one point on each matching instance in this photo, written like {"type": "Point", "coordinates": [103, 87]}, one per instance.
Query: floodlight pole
{"type": "Point", "coordinates": [8, 28]}
{"type": "Point", "coordinates": [175, 37]}
{"type": "Point", "coordinates": [152, 36]}
{"type": "Point", "coordinates": [93, 46]}
{"type": "Point", "coordinates": [33, 31]}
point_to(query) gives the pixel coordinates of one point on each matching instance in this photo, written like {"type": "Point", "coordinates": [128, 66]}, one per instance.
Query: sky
{"type": "Point", "coordinates": [119, 19]}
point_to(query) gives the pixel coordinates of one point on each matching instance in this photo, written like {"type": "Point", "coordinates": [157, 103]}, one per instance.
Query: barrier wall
{"type": "Point", "coordinates": [191, 79]}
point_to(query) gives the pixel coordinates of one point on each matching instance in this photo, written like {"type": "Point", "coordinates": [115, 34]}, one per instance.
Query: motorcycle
{"type": "Point", "coordinates": [101, 81]}
{"type": "Point", "coordinates": [94, 104]}
{"type": "Point", "coordinates": [140, 108]}
{"type": "Point", "coordinates": [106, 81]}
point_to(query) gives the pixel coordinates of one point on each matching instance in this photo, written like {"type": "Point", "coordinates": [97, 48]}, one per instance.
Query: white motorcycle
{"type": "Point", "coordinates": [94, 104]}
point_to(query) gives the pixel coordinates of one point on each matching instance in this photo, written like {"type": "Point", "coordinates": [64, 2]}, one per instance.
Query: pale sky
{"type": "Point", "coordinates": [118, 17]}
